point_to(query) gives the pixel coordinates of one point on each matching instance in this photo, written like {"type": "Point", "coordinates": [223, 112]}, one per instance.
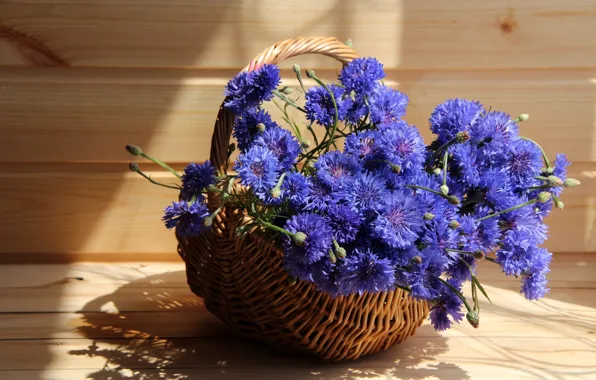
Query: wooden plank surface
{"type": "Point", "coordinates": [90, 114]}
{"type": "Point", "coordinates": [406, 34]}
{"type": "Point", "coordinates": [110, 333]}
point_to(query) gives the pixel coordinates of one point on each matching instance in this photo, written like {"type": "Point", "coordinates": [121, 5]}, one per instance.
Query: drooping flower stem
{"type": "Point", "coordinates": [133, 166]}
{"type": "Point", "coordinates": [544, 156]}
{"type": "Point", "coordinates": [530, 202]}
{"type": "Point", "coordinates": [311, 74]}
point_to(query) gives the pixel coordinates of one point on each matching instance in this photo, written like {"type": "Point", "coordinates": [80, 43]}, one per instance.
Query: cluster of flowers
{"type": "Point", "coordinates": [384, 211]}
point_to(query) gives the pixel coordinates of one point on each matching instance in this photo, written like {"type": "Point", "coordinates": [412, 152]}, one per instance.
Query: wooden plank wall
{"type": "Point", "coordinates": [81, 78]}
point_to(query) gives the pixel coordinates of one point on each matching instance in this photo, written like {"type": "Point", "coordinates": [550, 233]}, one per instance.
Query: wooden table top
{"type": "Point", "coordinates": [139, 321]}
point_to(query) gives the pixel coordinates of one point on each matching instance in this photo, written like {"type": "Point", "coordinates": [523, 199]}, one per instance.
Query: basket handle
{"type": "Point", "coordinates": [329, 46]}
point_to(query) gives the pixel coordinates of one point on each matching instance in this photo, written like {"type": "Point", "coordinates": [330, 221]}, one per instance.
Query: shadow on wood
{"type": "Point", "coordinates": [134, 348]}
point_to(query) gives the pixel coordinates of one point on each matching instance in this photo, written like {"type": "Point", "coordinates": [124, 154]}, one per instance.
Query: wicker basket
{"type": "Point", "coordinates": [242, 280]}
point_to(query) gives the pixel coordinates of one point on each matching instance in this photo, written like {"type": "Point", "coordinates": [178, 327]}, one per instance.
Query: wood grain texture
{"type": "Point", "coordinates": [405, 34]}
{"type": "Point", "coordinates": [111, 333]}
{"type": "Point", "coordinates": [90, 114]}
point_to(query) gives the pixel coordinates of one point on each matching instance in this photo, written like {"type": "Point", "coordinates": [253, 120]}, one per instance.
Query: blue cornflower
{"type": "Point", "coordinates": [534, 286]}
{"type": "Point", "coordinates": [318, 238]}
{"type": "Point", "coordinates": [438, 236]}
{"type": "Point", "coordinates": [363, 271]}
{"type": "Point", "coordinates": [344, 222]}
{"type": "Point", "coordinates": [423, 278]}
{"type": "Point", "coordinates": [523, 162]}
{"type": "Point", "coordinates": [526, 221]}
{"type": "Point", "coordinates": [336, 168]}
{"type": "Point", "coordinates": [196, 178]}
{"type": "Point", "coordinates": [319, 105]}
{"type": "Point", "coordinates": [366, 192]}
{"type": "Point", "coordinates": [453, 116]}
{"type": "Point", "coordinates": [356, 111]}
{"type": "Point", "coordinates": [326, 276]}
{"type": "Point", "coordinates": [458, 271]}
{"type": "Point", "coordinates": [403, 146]}
{"type": "Point", "coordinates": [258, 169]}
{"type": "Point", "coordinates": [387, 106]}
{"type": "Point", "coordinates": [187, 218]}
{"type": "Point", "coordinates": [282, 143]}
{"type": "Point", "coordinates": [249, 89]}
{"type": "Point", "coordinates": [516, 254]}
{"type": "Point", "coordinates": [365, 145]}
{"type": "Point", "coordinates": [470, 238]}
{"type": "Point", "coordinates": [402, 257]}
{"type": "Point", "coordinates": [320, 197]}
{"type": "Point", "coordinates": [468, 164]}
{"type": "Point", "coordinates": [447, 305]}
{"type": "Point", "coordinates": [296, 189]}
{"type": "Point", "coordinates": [362, 75]}
{"type": "Point", "coordinates": [560, 170]}
{"type": "Point", "coordinates": [495, 127]}
{"type": "Point", "coordinates": [399, 220]}
{"type": "Point", "coordinates": [245, 129]}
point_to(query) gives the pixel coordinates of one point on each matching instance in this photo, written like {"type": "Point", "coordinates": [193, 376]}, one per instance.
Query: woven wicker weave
{"type": "Point", "coordinates": [242, 280]}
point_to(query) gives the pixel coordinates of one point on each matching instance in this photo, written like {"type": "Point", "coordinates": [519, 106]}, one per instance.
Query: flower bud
{"type": "Point", "coordinates": [276, 192]}
{"type": "Point", "coordinates": [479, 255]}
{"type": "Point", "coordinates": [437, 171]}
{"type": "Point", "coordinates": [473, 318]}
{"type": "Point", "coordinates": [559, 204]}
{"type": "Point", "coordinates": [296, 69]}
{"type": "Point", "coordinates": [287, 90]}
{"type": "Point", "coordinates": [544, 197]}
{"type": "Point", "coordinates": [134, 167]}
{"type": "Point", "coordinates": [299, 238]}
{"type": "Point", "coordinates": [428, 216]}
{"type": "Point", "coordinates": [444, 189]}
{"type": "Point", "coordinates": [571, 182]}
{"type": "Point", "coordinates": [453, 200]}
{"type": "Point", "coordinates": [395, 168]}
{"type": "Point", "coordinates": [310, 73]}
{"type": "Point", "coordinates": [305, 144]}
{"type": "Point", "coordinates": [462, 136]}
{"type": "Point", "coordinates": [340, 252]}
{"type": "Point", "coordinates": [523, 117]}
{"type": "Point", "coordinates": [454, 224]}
{"type": "Point", "coordinates": [208, 221]}
{"type": "Point", "coordinates": [554, 180]}
{"type": "Point", "coordinates": [332, 257]}
{"type": "Point", "coordinates": [417, 259]}
{"type": "Point", "coordinates": [261, 127]}
{"type": "Point", "coordinates": [134, 150]}
{"type": "Point", "coordinates": [292, 280]}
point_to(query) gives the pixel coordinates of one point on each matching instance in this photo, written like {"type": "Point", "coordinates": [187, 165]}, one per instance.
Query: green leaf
{"type": "Point", "coordinates": [481, 288]}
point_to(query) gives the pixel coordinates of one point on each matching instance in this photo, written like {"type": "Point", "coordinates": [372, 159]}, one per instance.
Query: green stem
{"type": "Point", "coordinates": [530, 202]}
{"type": "Point", "coordinates": [429, 190]}
{"type": "Point", "coordinates": [445, 157]}
{"type": "Point", "coordinates": [335, 115]}
{"type": "Point", "coordinates": [288, 101]}
{"type": "Point", "coordinates": [162, 164]}
{"type": "Point", "coordinates": [544, 156]}
{"type": "Point", "coordinates": [276, 228]}
{"type": "Point", "coordinates": [148, 178]}
{"type": "Point", "coordinates": [460, 252]}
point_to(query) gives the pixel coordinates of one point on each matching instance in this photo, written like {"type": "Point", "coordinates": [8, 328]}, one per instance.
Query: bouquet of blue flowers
{"type": "Point", "coordinates": [360, 203]}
